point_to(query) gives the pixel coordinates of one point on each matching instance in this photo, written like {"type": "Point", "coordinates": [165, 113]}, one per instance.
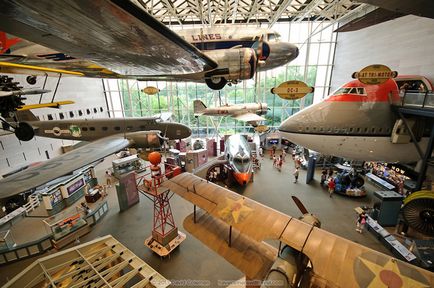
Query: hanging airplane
{"type": "Point", "coordinates": [248, 112]}
{"type": "Point", "coordinates": [358, 122]}
{"type": "Point", "coordinates": [119, 39]}
{"type": "Point", "coordinates": [107, 135]}
{"type": "Point", "coordinates": [11, 101]}
{"type": "Point", "coordinates": [239, 157]}
{"type": "Point", "coordinates": [236, 161]}
{"type": "Point", "coordinates": [237, 227]}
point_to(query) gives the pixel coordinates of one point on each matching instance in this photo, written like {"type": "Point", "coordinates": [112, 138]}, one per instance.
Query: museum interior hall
{"type": "Point", "coordinates": [216, 143]}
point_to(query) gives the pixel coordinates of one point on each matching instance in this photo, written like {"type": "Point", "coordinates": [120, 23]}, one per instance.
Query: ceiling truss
{"type": "Point", "coordinates": [215, 12]}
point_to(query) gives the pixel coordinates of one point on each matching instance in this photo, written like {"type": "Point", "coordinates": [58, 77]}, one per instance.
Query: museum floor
{"type": "Point", "coordinates": [192, 260]}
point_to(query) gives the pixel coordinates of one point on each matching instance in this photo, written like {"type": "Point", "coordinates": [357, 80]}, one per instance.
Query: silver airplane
{"type": "Point", "coordinates": [238, 155]}
{"type": "Point", "coordinates": [248, 112]}
{"type": "Point", "coordinates": [106, 136]}
{"type": "Point", "coordinates": [119, 39]}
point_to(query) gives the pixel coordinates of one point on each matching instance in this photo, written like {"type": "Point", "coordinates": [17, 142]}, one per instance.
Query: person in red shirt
{"type": "Point", "coordinates": [331, 184]}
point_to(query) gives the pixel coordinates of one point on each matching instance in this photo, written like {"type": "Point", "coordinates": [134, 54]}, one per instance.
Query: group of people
{"type": "Point", "coordinates": [278, 162]}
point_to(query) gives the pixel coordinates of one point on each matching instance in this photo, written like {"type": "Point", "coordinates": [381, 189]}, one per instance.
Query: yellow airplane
{"type": "Point", "coordinates": [317, 259]}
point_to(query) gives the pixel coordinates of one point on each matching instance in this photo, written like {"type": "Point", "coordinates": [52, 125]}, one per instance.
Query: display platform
{"type": "Point", "coordinates": [161, 250]}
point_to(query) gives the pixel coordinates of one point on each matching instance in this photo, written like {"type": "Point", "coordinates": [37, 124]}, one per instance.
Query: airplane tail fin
{"type": "Point", "coordinates": [6, 43]}
{"type": "Point", "coordinates": [26, 116]}
{"type": "Point", "coordinates": [199, 107]}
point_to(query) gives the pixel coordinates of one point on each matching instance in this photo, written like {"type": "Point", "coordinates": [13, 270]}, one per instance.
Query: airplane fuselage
{"type": "Point", "coordinates": [355, 122]}
{"type": "Point", "coordinates": [93, 129]}
{"type": "Point", "coordinates": [230, 110]}
{"type": "Point", "coordinates": [238, 155]}
{"type": "Point", "coordinates": [231, 37]}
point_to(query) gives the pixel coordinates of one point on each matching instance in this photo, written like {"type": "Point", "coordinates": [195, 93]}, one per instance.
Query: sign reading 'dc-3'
{"type": "Point", "coordinates": [374, 74]}
{"type": "Point", "coordinates": [262, 128]}
{"type": "Point", "coordinates": [292, 90]}
{"type": "Point", "coordinates": [150, 90]}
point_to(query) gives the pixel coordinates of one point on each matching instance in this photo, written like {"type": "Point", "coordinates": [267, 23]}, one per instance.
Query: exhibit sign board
{"type": "Point", "coordinates": [374, 74]}
{"type": "Point", "coordinates": [292, 90]}
{"type": "Point", "coordinates": [127, 192]}
{"type": "Point", "coordinates": [150, 90]}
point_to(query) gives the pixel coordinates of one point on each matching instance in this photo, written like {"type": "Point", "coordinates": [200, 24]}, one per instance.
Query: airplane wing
{"type": "Point", "coordinates": [423, 8]}
{"type": "Point", "coordinates": [114, 34]}
{"type": "Point", "coordinates": [46, 105]}
{"type": "Point", "coordinates": [61, 165]}
{"type": "Point", "coordinates": [336, 262]}
{"type": "Point", "coordinates": [376, 16]}
{"type": "Point", "coordinates": [248, 117]}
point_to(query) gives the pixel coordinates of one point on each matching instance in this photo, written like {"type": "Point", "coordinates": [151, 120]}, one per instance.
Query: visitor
{"type": "Point", "coordinates": [361, 221]}
{"type": "Point", "coordinates": [108, 178]}
{"type": "Point", "coordinates": [331, 184]}
{"type": "Point", "coordinates": [296, 173]}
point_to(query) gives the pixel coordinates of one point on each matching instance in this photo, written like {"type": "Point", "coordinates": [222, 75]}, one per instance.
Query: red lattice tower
{"type": "Point", "coordinates": [164, 230]}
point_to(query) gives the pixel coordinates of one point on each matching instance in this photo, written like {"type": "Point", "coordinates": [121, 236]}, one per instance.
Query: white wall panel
{"type": "Point", "coordinates": [405, 44]}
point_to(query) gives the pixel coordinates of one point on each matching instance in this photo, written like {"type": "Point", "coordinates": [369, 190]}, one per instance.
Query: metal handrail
{"type": "Point", "coordinates": [422, 104]}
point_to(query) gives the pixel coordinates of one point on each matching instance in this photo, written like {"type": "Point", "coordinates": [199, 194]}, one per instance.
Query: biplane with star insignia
{"type": "Point", "coordinates": [236, 227]}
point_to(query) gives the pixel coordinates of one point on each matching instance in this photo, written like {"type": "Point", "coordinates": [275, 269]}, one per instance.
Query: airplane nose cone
{"type": "Point", "coordinates": [242, 178]}
{"type": "Point", "coordinates": [280, 54]}
{"type": "Point", "coordinates": [290, 125]}
{"type": "Point", "coordinates": [176, 131]}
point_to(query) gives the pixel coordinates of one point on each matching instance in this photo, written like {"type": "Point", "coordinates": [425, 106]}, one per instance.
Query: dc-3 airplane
{"type": "Point", "coordinates": [236, 227]}
{"type": "Point", "coordinates": [358, 122]}
{"type": "Point", "coordinates": [248, 112]}
{"type": "Point", "coordinates": [107, 135]}
{"type": "Point", "coordinates": [119, 39]}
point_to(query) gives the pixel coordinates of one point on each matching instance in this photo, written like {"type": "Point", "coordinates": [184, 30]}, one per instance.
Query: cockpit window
{"type": "Point", "coordinates": [241, 162]}
{"type": "Point", "coordinates": [273, 36]}
{"type": "Point", "coordinates": [350, 90]}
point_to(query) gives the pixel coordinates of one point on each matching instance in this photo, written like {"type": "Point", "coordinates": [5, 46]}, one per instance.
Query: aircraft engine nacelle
{"type": "Point", "coordinates": [233, 64]}
{"type": "Point", "coordinates": [146, 139]}
{"type": "Point", "coordinates": [263, 109]}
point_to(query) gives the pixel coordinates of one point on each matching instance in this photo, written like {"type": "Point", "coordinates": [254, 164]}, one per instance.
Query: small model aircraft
{"type": "Point", "coordinates": [236, 227]}
{"type": "Point", "coordinates": [107, 136]}
{"type": "Point", "coordinates": [85, 38]}
{"type": "Point", "coordinates": [357, 122]}
{"type": "Point", "coordinates": [248, 112]}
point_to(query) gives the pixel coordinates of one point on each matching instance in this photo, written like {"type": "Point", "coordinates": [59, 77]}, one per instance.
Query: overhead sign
{"type": "Point", "coordinates": [292, 90]}
{"type": "Point", "coordinates": [374, 74]}
{"type": "Point", "coordinates": [150, 90]}
{"type": "Point", "coordinates": [261, 128]}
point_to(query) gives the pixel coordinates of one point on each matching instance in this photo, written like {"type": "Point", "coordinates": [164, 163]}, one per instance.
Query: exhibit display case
{"type": "Point", "coordinates": [66, 228]}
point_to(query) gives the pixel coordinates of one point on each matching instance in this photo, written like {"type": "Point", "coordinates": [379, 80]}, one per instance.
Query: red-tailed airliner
{"type": "Point", "coordinates": [357, 122]}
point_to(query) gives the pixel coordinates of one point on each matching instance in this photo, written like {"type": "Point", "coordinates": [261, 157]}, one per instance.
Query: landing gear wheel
{"type": "Point", "coordinates": [31, 80]}
{"type": "Point", "coordinates": [24, 132]}
{"type": "Point", "coordinates": [216, 83]}
{"type": "Point", "coordinates": [359, 182]}
{"type": "Point", "coordinates": [418, 211]}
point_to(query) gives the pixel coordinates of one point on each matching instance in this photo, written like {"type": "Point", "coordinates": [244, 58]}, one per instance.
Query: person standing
{"type": "Point", "coordinates": [323, 176]}
{"type": "Point", "coordinates": [279, 163]}
{"type": "Point", "coordinates": [331, 184]}
{"type": "Point", "coordinates": [108, 178]}
{"type": "Point", "coordinates": [361, 221]}
{"type": "Point", "coordinates": [296, 173]}
{"type": "Point", "coordinates": [283, 155]}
